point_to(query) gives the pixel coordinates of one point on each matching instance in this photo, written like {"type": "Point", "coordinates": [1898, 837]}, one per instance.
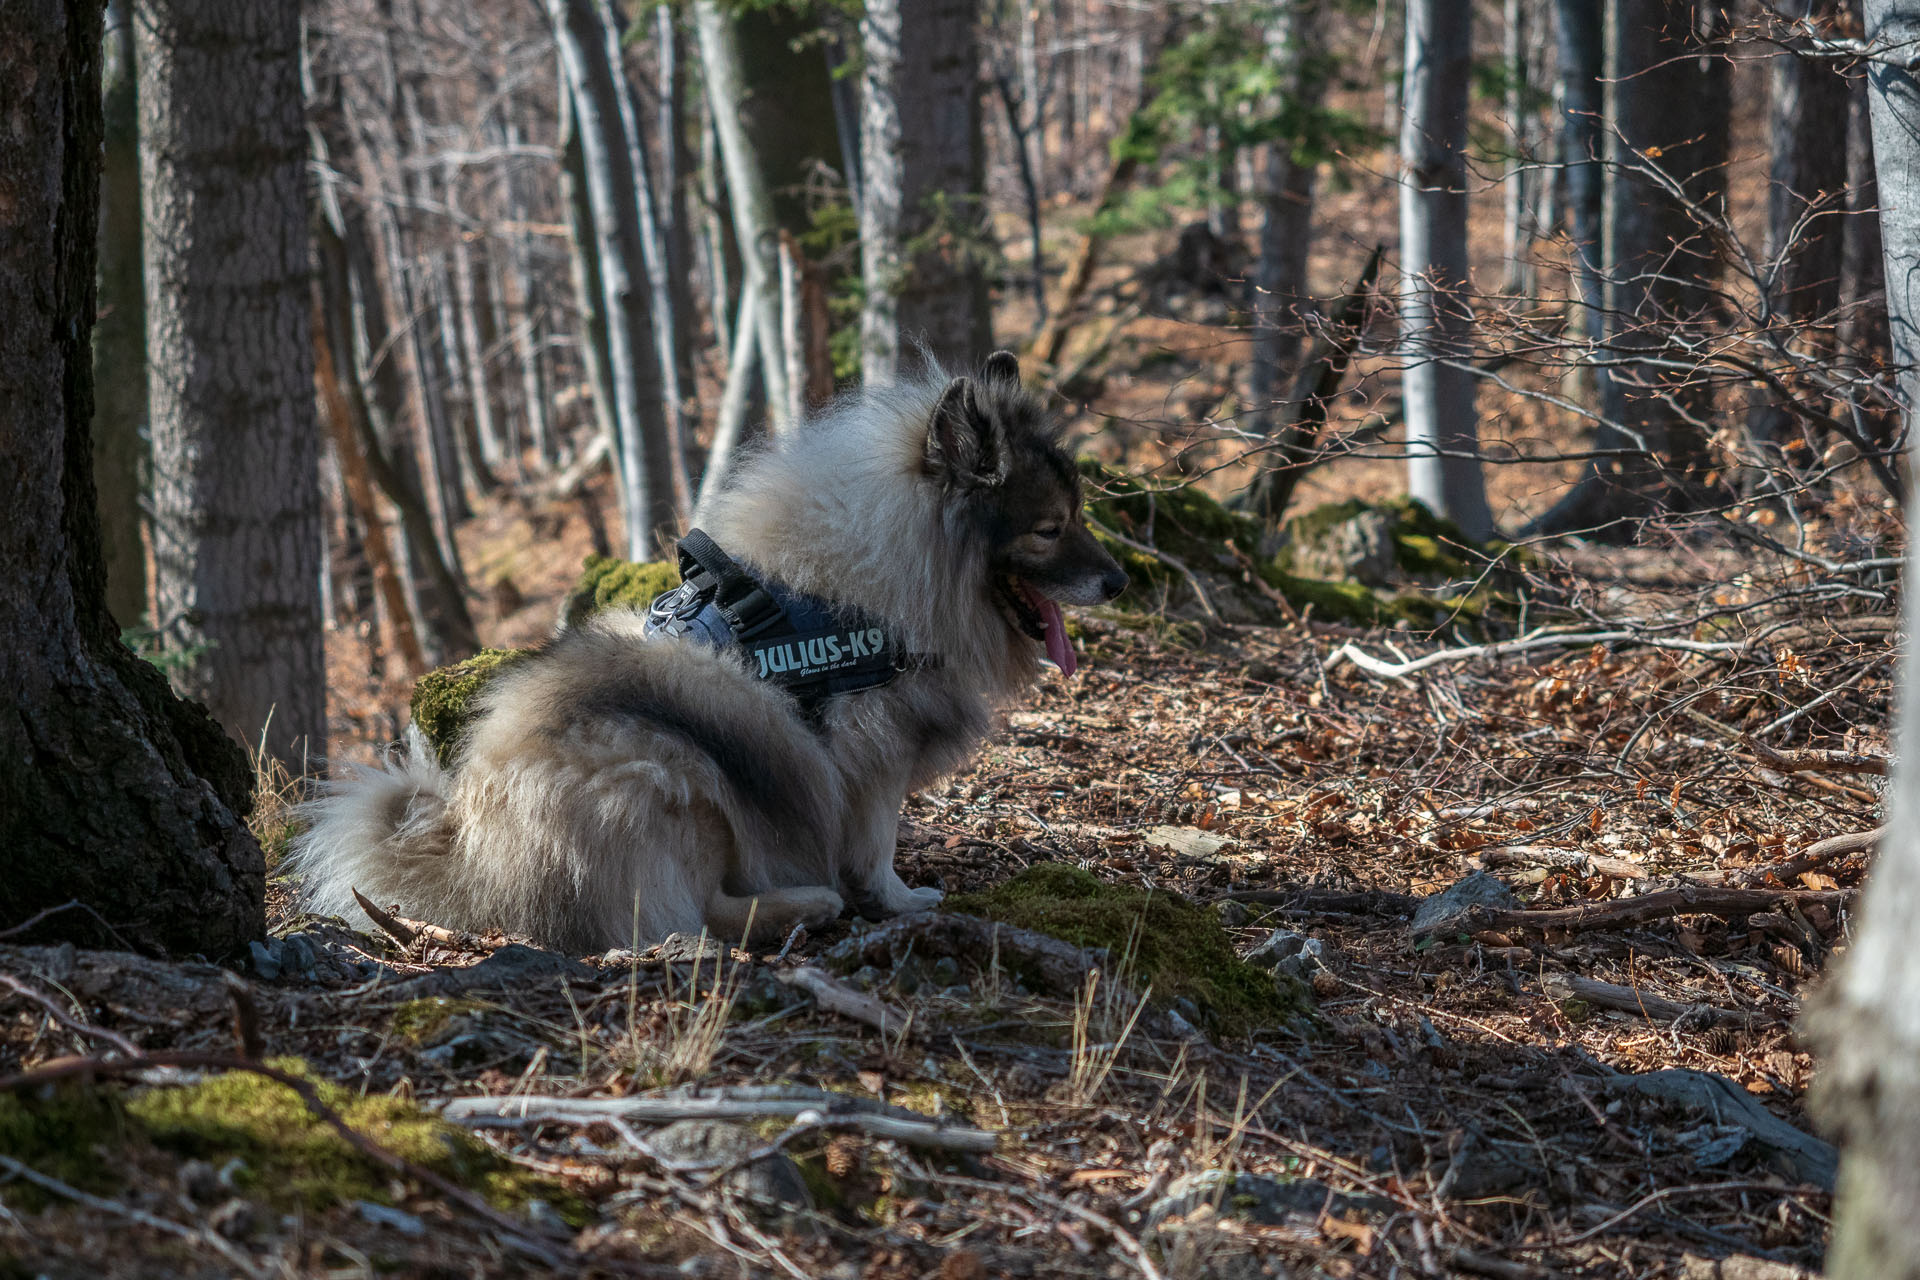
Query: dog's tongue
{"type": "Point", "coordinates": [1059, 647]}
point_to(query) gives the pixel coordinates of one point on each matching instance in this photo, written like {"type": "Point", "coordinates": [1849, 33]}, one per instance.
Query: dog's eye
{"type": "Point", "coordinates": [1047, 531]}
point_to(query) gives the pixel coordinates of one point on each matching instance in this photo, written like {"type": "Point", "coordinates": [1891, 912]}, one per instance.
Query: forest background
{"type": "Point", "coordinates": [401, 310]}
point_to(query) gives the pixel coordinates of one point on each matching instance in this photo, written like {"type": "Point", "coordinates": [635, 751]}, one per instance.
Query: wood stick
{"type": "Point", "coordinates": [1610, 995]}
{"type": "Point", "coordinates": [835, 1110]}
{"type": "Point", "coordinates": [1811, 760]}
{"type": "Point", "coordinates": [1696, 900]}
{"type": "Point", "coordinates": [836, 996]}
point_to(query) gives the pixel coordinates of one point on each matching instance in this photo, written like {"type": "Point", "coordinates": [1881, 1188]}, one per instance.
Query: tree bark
{"type": "Point", "coordinates": [1581, 47]}
{"type": "Point", "coordinates": [602, 113]}
{"type": "Point", "coordinates": [237, 537]}
{"type": "Point", "coordinates": [1443, 439]}
{"type": "Point", "coordinates": [120, 336]}
{"type": "Point", "coordinates": [922, 218]}
{"type": "Point", "coordinates": [1863, 285]}
{"type": "Point", "coordinates": [1280, 294]}
{"type": "Point", "coordinates": [1868, 1018]}
{"type": "Point", "coordinates": [113, 792]}
{"type": "Point", "coordinates": [755, 227]}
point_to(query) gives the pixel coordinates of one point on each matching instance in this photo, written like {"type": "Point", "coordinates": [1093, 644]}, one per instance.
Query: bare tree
{"type": "Point", "coordinates": [1868, 1021]}
{"type": "Point", "coordinates": [608, 144]}
{"type": "Point", "coordinates": [1443, 469]}
{"type": "Point", "coordinates": [120, 336]}
{"type": "Point", "coordinates": [921, 220]}
{"type": "Point", "coordinates": [113, 793]}
{"type": "Point", "coordinates": [237, 538]}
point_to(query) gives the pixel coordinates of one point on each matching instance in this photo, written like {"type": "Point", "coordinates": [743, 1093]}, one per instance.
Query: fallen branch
{"type": "Point", "coordinates": [1593, 864]}
{"type": "Point", "coordinates": [1688, 900]}
{"type": "Point", "coordinates": [1060, 968]}
{"type": "Point", "coordinates": [1365, 902]}
{"type": "Point", "coordinates": [1811, 760]}
{"type": "Point", "coordinates": [836, 996]}
{"type": "Point", "coordinates": [835, 1110]}
{"type": "Point", "coordinates": [1610, 995]}
{"type": "Point", "coordinates": [1537, 640]}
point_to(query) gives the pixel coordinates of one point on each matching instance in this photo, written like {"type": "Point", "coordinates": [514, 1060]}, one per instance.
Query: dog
{"type": "Point", "coordinates": [620, 784]}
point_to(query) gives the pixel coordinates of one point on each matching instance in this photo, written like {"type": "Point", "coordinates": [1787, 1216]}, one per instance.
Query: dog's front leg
{"type": "Point", "coordinates": [873, 886]}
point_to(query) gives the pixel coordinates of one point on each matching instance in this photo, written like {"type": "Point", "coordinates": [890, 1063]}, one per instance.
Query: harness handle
{"type": "Point", "coordinates": [742, 601]}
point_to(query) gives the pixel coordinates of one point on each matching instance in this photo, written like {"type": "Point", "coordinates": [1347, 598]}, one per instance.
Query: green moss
{"type": "Point", "coordinates": [292, 1157]}
{"type": "Point", "coordinates": [68, 1134]}
{"type": "Point", "coordinates": [607, 583]}
{"type": "Point", "coordinates": [426, 1022]}
{"type": "Point", "coordinates": [87, 1137]}
{"type": "Point", "coordinates": [443, 700]}
{"type": "Point", "coordinates": [1178, 947]}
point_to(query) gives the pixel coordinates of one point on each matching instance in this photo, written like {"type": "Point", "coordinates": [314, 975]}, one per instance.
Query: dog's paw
{"type": "Point", "coordinates": [922, 900]}
{"type": "Point", "coordinates": [815, 907]}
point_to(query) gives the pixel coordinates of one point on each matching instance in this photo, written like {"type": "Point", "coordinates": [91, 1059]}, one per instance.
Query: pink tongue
{"type": "Point", "coordinates": [1059, 648]}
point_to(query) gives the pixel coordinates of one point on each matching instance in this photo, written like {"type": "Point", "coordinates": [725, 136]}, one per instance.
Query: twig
{"type": "Point", "coordinates": [388, 924]}
{"type": "Point", "coordinates": [1610, 995]}
{"type": "Point", "coordinates": [54, 1011]}
{"type": "Point", "coordinates": [1818, 854]}
{"type": "Point", "coordinates": [1704, 900]}
{"type": "Point", "coordinates": [1811, 760]}
{"type": "Point", "coordinates": [834, 1109]}
{"type": "Point", "coordinates": [195, 1235]}
{"type": "Point", "coordinates": [1128, 1245]}
{"type": "Point", "coordinates": [1466, 653]}
{"type": "Point", "coordinates": [836, 996]}
{"type": "Point", "coordinates": [1172, 562]}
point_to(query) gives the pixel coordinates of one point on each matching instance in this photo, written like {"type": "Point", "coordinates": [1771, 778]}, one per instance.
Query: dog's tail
{"type": "Point", "coordinates": [381, 831]}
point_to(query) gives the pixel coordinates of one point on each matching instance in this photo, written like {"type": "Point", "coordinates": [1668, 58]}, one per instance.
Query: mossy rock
{"type": "Point", "coordinates": [288, 1156]}
{"type": "Point", "coordinates": [1160, 938]}
{"type": "Point", "coordinates": [442, 700]}
{"type": "Point", "coordinates": [431, 1020]}
{"type": "Point", "coordinates": [608, 583]}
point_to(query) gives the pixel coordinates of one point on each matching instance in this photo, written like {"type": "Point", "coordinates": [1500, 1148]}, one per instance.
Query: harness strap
{"type": "Point", "coordinates": [745, 604]}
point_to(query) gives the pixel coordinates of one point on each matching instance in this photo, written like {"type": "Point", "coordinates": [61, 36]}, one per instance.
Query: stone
{"type": "Point", "coordinates": [1359, 548]}
{"type": "Point", "coordinates": [1443, 913]}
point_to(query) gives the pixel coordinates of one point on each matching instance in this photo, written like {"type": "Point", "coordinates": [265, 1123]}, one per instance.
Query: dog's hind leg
{"type": "Point", "coordinates": [770, 916]}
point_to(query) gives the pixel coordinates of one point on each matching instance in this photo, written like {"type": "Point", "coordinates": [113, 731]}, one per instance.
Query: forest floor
{"type": "Point", "coordinates": [1597, 1076]}
{"type": "Point", "coordinates": [1600, 1078]}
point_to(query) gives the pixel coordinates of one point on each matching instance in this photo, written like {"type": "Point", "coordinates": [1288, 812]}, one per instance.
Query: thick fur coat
{"type": "Point", "coordinates": [615, 788]}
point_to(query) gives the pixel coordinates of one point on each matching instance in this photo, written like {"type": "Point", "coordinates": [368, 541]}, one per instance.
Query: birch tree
{"type": "Point", "coordinates": [601, 120]}
{"type": "Point", "coordinates": [112, 791]}
{"type": "Point", "coordinates": [236, 502]}
{"type": "Point", "coordinates": [1868, 1020]}
{"type": "Point", "coordinates": [1443, 440]}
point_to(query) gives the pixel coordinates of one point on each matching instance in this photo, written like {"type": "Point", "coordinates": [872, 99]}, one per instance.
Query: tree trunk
{"type": "Point", "coordinates": [754, 224]}
{"type": "Point", "coordinates": [1443, 438]}
{"type": "Point", "coordinates": [1868, 1016]}
{"type": "Point", "coordinates": [601, 116]}
{"type": "Point", "coordinates": [921, 166]}
{"type": "Point", "coordinates": [676, 224]}
{"type": "Point", "coordinates": [1863, 285]}
{"type": "Point", "coordinates": [1280, 293]}
{"type": "Point", "coordinates": [237, 539]}
{"type": "Point", "coordinates": [112, 792]}
{"type": "Point", "coordinates": [1516, 201]}
{"type": "Point", "coordinates": [1581, 45]}
{"type": "Point", "coordinates": [120, 336]}
{"type": "Point", "coordinates": [1806, 196]}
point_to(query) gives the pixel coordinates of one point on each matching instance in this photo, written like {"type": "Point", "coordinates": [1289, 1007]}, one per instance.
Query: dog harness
{"type": "Point", "coordinates": [808, 646]}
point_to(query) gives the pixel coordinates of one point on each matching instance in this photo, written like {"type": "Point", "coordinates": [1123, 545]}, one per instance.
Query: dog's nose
{"type": "Point", "coordinates": [1113, 582]}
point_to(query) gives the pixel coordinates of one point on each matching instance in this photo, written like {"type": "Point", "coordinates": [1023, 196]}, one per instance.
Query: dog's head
{"type": "Point", "coordinates": [993, 449]}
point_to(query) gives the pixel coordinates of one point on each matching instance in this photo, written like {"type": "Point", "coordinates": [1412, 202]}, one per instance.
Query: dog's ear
{"type": "Point", "coordinates": [1002, 366]}
{"type": "Point", "coordinates": [965, 445]}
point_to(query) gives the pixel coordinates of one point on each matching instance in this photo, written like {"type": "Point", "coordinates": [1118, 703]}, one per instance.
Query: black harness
{"type": "Point", "coordinates": [810, 647]}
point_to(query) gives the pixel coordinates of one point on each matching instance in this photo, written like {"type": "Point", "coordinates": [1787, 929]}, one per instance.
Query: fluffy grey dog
{"type": "Point", "coordinates": [619, 786]}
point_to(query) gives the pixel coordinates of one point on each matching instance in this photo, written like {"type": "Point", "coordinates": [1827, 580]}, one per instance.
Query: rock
{"type": "Point", "coordinates": [710, 1144]}
{"type": "Point", "coordinates": [400, 1220]}
{"type": "Point", "coordinates": [1291, 956]}
{"type": "Point", "coordinates": [1359, 548]}
{"type": "Point", "coordinates": [1443, 913]}
{"type": "Point", "coordinates": [513, 965]}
